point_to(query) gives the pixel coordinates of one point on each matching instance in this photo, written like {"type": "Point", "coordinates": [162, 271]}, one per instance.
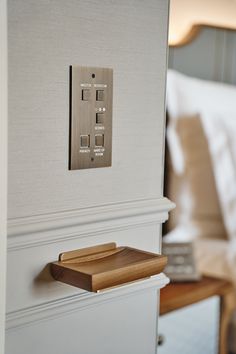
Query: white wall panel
{"type": "Point", "coordinates": [124, 325]}
{"type": "Point", "coordinates": [34, 284]}
{"type": "Point", "coordinates": [52, 209]}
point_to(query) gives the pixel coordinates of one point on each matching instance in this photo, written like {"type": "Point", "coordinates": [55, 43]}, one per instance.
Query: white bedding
{"type": "Point", "coordinates": [215, 103]}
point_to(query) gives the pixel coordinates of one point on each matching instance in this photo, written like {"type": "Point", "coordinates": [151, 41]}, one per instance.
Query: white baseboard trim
{"type": "Point", "coordinates": [49, 228]}
{"type": "Point", "coordinates": [67, 305]}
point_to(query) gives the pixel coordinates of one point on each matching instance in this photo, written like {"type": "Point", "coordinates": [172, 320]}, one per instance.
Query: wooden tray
{"type": "Point", "coordinates": [104, 266]}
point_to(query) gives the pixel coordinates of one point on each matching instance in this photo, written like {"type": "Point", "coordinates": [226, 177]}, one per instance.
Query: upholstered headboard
{"type": "Point", "coordinates": [210, 56]}
{"type": "Point", "coordinates": [187, 18]}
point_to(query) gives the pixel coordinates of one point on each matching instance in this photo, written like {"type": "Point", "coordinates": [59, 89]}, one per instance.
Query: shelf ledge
{"type": "Point", "coordinates": [106, 266]}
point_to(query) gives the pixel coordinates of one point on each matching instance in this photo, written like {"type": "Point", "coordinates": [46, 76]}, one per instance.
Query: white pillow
{"type": "Point", "coordinates": [188, 96]}
{"type": "Point", "coordinates": [203, 211]}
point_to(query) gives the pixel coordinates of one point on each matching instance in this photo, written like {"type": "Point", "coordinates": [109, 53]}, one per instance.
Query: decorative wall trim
{"type": "Point", "coordinates": [49, 228]}
{"type": "Point", "coordinates": [67, 305]}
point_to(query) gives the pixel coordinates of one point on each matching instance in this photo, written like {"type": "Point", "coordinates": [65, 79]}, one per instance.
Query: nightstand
{"type": "Point", "coordinates": [178, 295]}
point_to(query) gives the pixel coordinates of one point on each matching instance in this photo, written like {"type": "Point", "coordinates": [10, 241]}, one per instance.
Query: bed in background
{"type": "Point", "coordinates": [200, 174]}
{"type": "Point", "coordinates": [201, 138]}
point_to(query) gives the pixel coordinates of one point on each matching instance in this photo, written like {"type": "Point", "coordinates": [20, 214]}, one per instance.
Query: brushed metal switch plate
{"type": "Point", "coordinates": [90, 117]}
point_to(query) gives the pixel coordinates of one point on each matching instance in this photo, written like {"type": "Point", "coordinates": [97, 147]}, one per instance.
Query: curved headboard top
{"type": "Point", "coordinates": [187, 17]}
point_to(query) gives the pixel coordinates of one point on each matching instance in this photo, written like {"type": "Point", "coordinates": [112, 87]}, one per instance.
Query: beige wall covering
{"type": "Point", "coordinates": [52, 209]}
{"type": "Point", "coordinates": [3, 167]}
{"type": "Point", "coordinates": [45, 37]}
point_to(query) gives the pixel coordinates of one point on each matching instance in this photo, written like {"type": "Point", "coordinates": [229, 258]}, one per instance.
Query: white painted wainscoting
{"type": "Point", "coordinates": [117, 321]}
{"type": "Point", "coordinates": [52, 209]}
{"type": "Point", "coordinates": [40, 239]}
{"type": "Point", "coordinates": [39, 309]}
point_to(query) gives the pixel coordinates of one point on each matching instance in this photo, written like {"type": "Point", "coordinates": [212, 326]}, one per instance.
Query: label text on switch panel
{"type": "Point", "coordinates": [84, 150]}
{"type": "Point", "coordinates": [99, 128]}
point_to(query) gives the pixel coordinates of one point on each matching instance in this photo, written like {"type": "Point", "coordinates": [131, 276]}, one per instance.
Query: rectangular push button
{"type": "Point", "coordinates": [84, 141]}
{"type": "Point", "coordinates": [100, 95]}
{"type": "Point", "coordinates": [99, 140]}
{"type": "Point", "coordinates": [85, 95]}
{"type": "Point", "coordinates": [99, 118]}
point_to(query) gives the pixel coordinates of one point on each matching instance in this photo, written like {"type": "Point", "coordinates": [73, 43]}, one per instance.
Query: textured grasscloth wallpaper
{"type": "Point", "coordinates": [45, 37]}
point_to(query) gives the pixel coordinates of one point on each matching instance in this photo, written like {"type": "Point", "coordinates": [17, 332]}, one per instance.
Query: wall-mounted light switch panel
{"type": "Point", "coordinates": [90, 117]}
